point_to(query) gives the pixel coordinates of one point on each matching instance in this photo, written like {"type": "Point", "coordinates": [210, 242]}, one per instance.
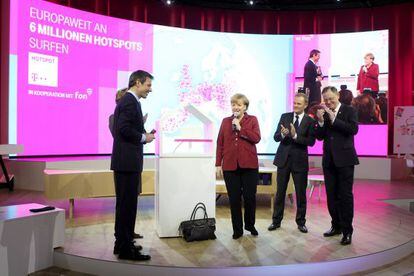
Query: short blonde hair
{"type": "Point", "coordinates": [370, 55]}
{"type": "Point", "coordinates": [303, 96]}
{"type": "Point", "coordinates": [236, 97]}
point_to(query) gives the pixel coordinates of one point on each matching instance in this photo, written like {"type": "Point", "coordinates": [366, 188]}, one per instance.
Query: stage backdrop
{"type": "Point", "coordinates": [66, 65]}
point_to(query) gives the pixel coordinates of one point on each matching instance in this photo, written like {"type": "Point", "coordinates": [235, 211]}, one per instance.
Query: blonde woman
{"type": "Point", "coordinates": [368, 76]}
{"type": "Point", "coordinates": [237, 162]}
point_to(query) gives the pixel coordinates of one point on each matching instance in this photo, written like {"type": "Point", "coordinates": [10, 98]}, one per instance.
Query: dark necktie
{"type": "Point", "coordinates": [296, 123]}
{"type": "Point", "coordinates": [139, 108]}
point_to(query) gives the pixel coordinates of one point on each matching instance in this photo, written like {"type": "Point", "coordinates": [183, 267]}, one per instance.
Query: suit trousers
{"type": "Point", "coordinates": [315, 94]}
{"type": "Point", "coordinates": [126, 190]}
{"type": "Point", "coordinates": [339, 182]}
{"type": "Point", "coordinates": [242, 183]}
{"type": "Point", "coordinates": [300, 179]}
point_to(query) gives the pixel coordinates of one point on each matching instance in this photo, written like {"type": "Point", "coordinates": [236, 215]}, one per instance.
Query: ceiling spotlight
{"type": "Point", "coordinates": [169, 2]}
{"type": "Point", "coordinates": [249, 2]}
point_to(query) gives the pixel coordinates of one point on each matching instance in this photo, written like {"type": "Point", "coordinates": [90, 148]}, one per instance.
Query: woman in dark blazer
{"type": "Point", "coordinates": [236, 160]}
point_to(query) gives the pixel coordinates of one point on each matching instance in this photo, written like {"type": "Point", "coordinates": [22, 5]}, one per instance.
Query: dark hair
{"type": "Point", "coordinates": [345, 96]}
{"type": "Point", "coordinates": [382, 94]}
{"type": "Point", "coordinates": [314, 52]}
{"type": "Point", "coordinates": [365, 105]}
{"type": "Point", "coordinates": [139, 75]}
{"type": "Point", "coordinates": [344, 87]}
{"type": "Point", "coordinates": [383, 105]}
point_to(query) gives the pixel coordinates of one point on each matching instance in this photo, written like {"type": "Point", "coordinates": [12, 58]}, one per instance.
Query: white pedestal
{"type": "Point", "coordinates": [181, 182]}
{"type": "Point", "coordinates": [27, 239]}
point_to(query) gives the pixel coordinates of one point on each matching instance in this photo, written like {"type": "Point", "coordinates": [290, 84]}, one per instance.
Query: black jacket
{"type": "Point", "coordinates": [338, 138]}
{"type": "Point", "coordinates": [296, 149]}
{"type": "Point", "coordinates": [310, 73]}
{"type": "Point", "coordinates": [127, 151]}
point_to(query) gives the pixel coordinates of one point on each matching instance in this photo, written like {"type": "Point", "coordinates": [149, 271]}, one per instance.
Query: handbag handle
{"type": "Point", "coordinates": [201, 206]}
{"type": "Point", "coordinates": [198, 205]}
{"type": "Point", "coordinates": [194, 216]}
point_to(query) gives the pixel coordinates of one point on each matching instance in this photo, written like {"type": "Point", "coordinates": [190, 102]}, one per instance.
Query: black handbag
{"type": "Point", "coordinates": [198, 229]}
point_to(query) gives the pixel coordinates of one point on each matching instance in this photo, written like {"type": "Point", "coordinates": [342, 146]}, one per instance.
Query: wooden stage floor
{"type": "Point", "coordinates": [381, 222]}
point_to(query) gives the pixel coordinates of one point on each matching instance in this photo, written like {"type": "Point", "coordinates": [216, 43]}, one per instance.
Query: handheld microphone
{"type": "Point", "coordinates": [233, 125]}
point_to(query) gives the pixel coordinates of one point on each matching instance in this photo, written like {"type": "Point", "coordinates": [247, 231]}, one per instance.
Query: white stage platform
{"type": "Point", "coordinates": [337, 267]}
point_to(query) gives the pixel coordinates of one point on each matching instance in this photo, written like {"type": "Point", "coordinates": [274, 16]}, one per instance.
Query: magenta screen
{"type": "Point", "coordinates": [66, 66]}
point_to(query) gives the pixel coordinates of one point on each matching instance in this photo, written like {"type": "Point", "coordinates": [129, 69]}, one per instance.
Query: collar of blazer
{"type": "Point", "coordinates": [292, 117]}
{"type": "Point", "coordinates": [340, 111]}
{"type": "Point", "coordinates": [311, 60]}
{"type": "Point", "coordinates": [133, 94]}
{"type": "Point", "coordinates": [245, 116]}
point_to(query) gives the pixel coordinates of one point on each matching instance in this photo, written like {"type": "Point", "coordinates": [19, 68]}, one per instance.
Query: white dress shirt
{"type": "Point", "coordinates": [299, 121]}
{"type": "Point", "coordinates": [143, 138]}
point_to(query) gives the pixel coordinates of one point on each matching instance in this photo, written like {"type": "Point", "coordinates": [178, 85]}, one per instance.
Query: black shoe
{"type": "Point", "coordinates": [252, 230]}
{"type": "Point", "coordinates": [237, 235]}
{"type": "Point", "coordinates": [346, 239]}
{"type": "Point", "coordinates": [137, 236]}
{"type": "Point", "coordinates": [332, 232]}
{"type": "Point", "coordinates": [133, 255]}
{"type": "Point", "coordinates": [273, 226]}
{"type": "Point", "coordinates": [117, 249]}
{"type": "Point", "coordinates": [303, 228]}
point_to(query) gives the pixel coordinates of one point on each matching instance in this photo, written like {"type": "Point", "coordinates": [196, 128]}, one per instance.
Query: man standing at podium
{"type": "Point", "coordinates": [295, 134]}
{"type": "Point", "coordinates": [127, 162]}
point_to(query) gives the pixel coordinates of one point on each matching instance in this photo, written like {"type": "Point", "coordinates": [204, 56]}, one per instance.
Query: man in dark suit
{"type": "Point", "coordinates": [295, 134]}
{"type": "Point", "coordinates": [119, 94]}
{"type": "Point", "coordinates": [127, 163]}
{"type": "Point", "coordinates": [337, 125]}
{"type": "Point", "coordinates": [313, 77]}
